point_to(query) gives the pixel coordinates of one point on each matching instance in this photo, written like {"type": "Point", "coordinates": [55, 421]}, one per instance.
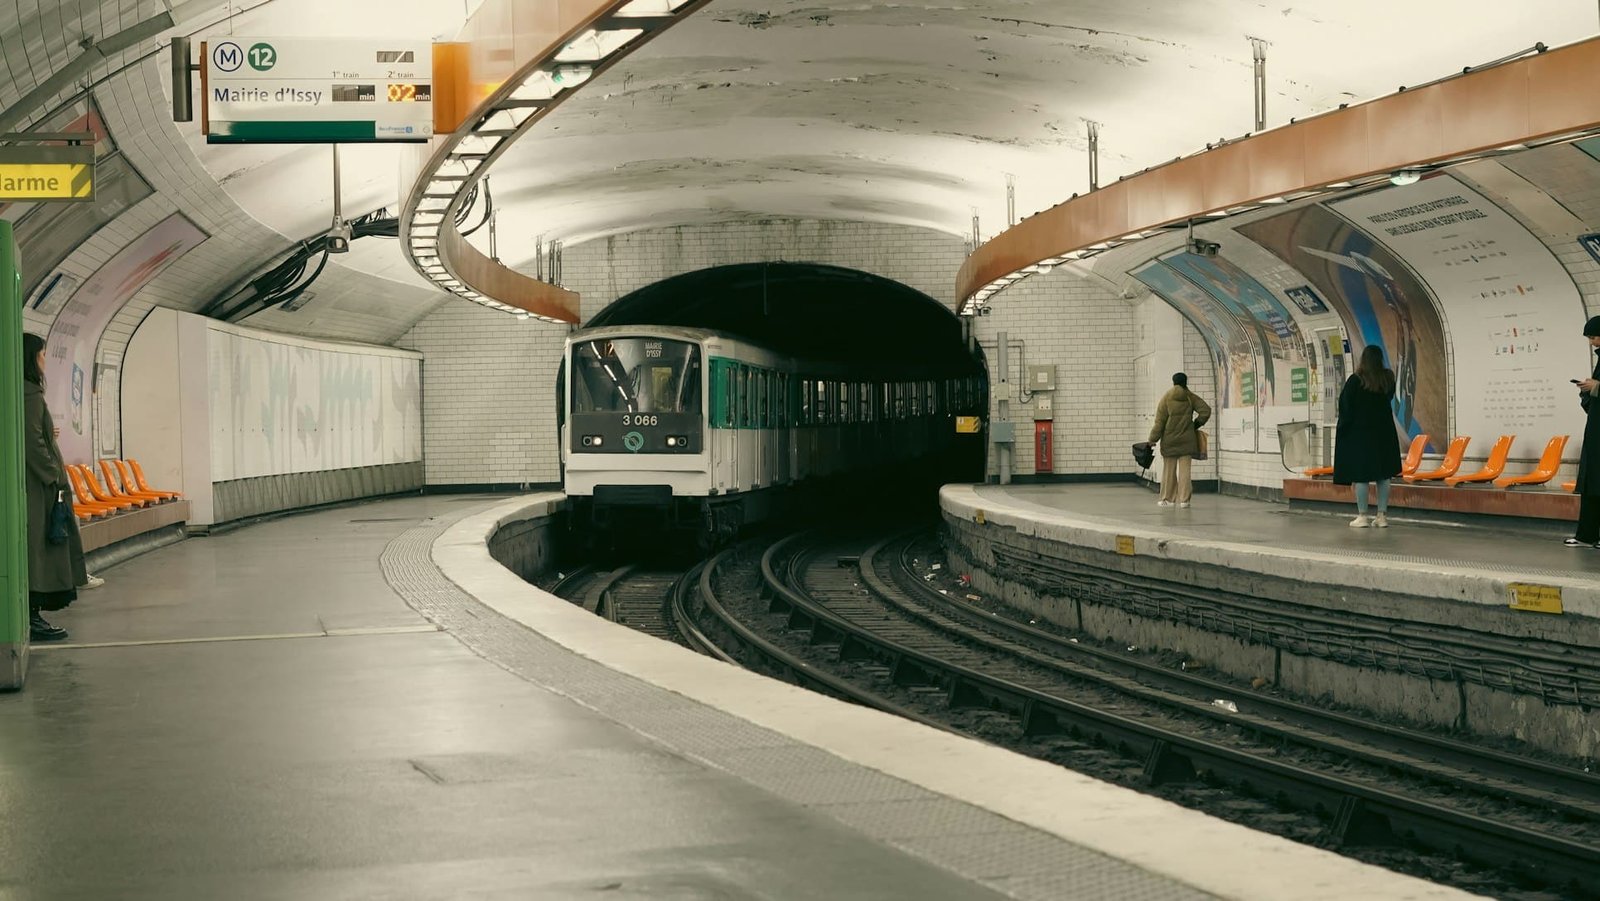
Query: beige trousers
{"type": "Point", "coordinates": [1175, 484]}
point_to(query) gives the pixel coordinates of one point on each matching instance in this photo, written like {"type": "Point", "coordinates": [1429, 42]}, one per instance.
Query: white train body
{"type": "Point", "coordinates": [706, 429]}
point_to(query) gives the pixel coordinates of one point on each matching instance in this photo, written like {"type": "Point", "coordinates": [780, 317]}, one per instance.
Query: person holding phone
{"type": "Point", "coordinates": [1588, 487]}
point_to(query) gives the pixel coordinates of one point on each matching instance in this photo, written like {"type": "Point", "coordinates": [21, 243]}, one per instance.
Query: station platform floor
{"type": "Point", "coordinates": [310, 707]}
{"type": "Point", "coordinates": [1475, 560]}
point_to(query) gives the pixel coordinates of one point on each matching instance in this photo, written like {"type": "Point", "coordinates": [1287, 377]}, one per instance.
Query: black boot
{"type": "Point", "coordinates": [39, 630]}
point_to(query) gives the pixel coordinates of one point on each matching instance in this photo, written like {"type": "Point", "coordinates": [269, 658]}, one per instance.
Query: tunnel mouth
{"type": "Point", "coordinates": [807, 310]}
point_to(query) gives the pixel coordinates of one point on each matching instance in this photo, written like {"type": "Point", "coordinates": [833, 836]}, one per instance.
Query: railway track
{"type": "Point", "coordinates": [860, 622]}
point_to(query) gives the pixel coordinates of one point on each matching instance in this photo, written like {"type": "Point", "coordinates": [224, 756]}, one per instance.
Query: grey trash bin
{"type": "Point", "coordinates": [1294, 445]}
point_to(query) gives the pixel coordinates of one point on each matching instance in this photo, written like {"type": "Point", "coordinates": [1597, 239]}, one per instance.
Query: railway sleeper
{"type": "Point", "coordinates": [965, 694]}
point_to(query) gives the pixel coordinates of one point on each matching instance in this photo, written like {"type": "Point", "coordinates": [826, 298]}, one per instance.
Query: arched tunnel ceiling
{"type": "Point", "coordinates": [911, 113]}
{"type": "Point", "coordinates": [806, 310]}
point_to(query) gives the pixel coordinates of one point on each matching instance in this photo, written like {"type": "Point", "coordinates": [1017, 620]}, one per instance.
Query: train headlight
{"type": "Point", "coordinates": [671, 441]}
{"type": "Point", "coordinates": [593, 440]}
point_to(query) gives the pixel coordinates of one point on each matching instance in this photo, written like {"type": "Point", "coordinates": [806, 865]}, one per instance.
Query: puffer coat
{"type": "Point", "coordinates": [1179, 415]}
{"type": "Point", "coordinates": [51, 567]}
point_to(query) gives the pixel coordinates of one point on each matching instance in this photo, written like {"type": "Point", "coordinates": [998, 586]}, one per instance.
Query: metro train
{"type": "Point", "coordinates": [706, 432]}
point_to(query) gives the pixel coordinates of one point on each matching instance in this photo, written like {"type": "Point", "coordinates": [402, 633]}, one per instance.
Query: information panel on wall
{"type": "Point", "coordinates": [1515, 317]}
{"type": "Point", "coordinates": [316, 90]}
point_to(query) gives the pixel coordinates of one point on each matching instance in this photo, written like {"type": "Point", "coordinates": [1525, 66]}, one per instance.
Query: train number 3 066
{"type": "Point", "coordinates": [638, 419]}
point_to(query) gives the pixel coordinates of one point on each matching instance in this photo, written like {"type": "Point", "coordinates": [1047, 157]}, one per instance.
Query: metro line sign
{"type": "Point", "coordinates": [46, 173]}
{"type": "Point", "coordinates": [316, 90]}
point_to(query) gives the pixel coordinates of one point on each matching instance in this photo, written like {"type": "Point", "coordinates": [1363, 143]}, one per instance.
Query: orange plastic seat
{"type": "Point", "coordinates": [108, 481]}
{"type": "Point", "coordinates": [1315, 471]}
{"type": "Point", "coordinates": [1492, 467]}
{"type": "Point", "coordinates": [138, 478]}
{"type": "Point", "coordinates": [98, 491]}
{"type": "Point", "coordinates": [133, 483]}
{"type": "Point", "coordinates": [1413, 457]}
{"type": "Point", "coordinates": [118, 479]}
{"type": "Point", "coordinates": [1549, 462]}
{"type": "Point", "coordinates": [83, 505]}
{"type": "Point", "coordinates": [85, 495]}
{"type": "Point", "coordinates": [1569, 486]}
{"type": "Point", "coordinates": [1447, 466]}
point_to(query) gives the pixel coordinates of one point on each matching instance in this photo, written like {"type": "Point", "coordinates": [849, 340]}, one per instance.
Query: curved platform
{"type": "Point", "coordinates": [360, 702]}
{"type": "Point", "coordinates": [1472, 562]}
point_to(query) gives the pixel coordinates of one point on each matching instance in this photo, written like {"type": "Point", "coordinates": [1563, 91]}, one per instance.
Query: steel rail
{"type": "Point", "coordinates": [1494, 773]}
{"type": "Point", "coordinates": [1362, 814]}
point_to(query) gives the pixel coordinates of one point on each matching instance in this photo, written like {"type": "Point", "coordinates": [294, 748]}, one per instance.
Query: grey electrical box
{"type": "Point", "coordinates": [1042, 378]}
{"type": "Point", "coordinates": [1000, 431]}
{"type": "Point", "coordinates": [1043, 408]}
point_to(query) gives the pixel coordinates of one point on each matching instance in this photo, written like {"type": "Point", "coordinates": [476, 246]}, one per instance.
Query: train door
{"type": "Point", "coordinates": [783, 430]}
{"type": "Point", "coordinates": [721, 424]}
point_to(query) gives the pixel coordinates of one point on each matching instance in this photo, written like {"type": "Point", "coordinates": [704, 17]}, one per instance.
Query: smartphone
{"type": "Point", "coordinates": [1573, 381]}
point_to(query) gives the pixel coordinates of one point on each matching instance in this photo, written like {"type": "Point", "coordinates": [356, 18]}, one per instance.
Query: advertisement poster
{"type": "Point", "coordinates": [1379, 301]}
{"type": "Point", "coordinates": [1275, 329]}
{"type": "Point", "coordinates": [76, 332]}
{"type": "Point", "coordinates": [1234, 356]}
{"type": "Point", "coordinates": [1515, 315]}
{"type": "Point", "coordinates": [1233, 352]}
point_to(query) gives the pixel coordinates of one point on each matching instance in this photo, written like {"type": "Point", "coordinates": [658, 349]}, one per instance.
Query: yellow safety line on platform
{"type": "Point", "coordinates": [331, 633]}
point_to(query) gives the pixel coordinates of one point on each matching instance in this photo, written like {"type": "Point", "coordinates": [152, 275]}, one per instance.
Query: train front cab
{"type": "Point", "coordinates": [634, 442]}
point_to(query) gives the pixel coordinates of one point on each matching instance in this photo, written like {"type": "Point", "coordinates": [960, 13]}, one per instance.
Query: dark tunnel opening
{"type": "Point", "coordinates": [876, 329]}
{"type": "Point", "coordinates": [804, 310]}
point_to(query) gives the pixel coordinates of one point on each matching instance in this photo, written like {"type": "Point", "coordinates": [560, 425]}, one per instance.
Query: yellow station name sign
{"type": "Point", "coordinates": [46, 173]}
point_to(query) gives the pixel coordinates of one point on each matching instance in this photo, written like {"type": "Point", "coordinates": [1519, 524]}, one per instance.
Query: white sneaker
{"type": "Point", "coordinates": [1361, 522]}
{"type": "Point", "coordinates": [1163, 503]}
{"type": "Point", "coordinates": [1184, 504]}
{"type": "Point", "coordinates": [94, 582]}
{"type": "Point", "coordinates": [1380, 521]}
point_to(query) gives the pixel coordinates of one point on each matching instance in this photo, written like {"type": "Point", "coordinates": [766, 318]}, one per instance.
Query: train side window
{"type": "Point", "coordinates": [805, 401]}
{"type": "Point", "coordinates": [765, 409]}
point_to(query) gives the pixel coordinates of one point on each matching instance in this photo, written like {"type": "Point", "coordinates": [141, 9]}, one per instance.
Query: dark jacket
{"type": "Point", "coordinates": [1367, 445]}
{"type": "Point", "coordinates": [1179, 415]}
{"type": "Point", "coordinates": [51, 567]}
{"type": "Point", "coordinates": [1588, 482]}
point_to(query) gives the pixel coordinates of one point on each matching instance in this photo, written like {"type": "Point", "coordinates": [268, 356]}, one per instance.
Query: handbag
{"type": "Point", "coordinates": [1200, 444]}
{"type": "Point", "coordinates": [1144, 454]}
{"type": "Point", "coordinates": [60, 519]}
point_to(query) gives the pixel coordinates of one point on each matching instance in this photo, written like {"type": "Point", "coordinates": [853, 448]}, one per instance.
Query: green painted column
{"type": "Point", "coordinates": [13, 500]}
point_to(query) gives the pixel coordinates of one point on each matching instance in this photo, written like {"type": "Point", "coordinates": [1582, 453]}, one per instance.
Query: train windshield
{"type": "Point", "coordinates": [635, 375]}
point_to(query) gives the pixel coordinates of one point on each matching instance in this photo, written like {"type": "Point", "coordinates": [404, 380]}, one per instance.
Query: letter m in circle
{"type": "Point", "coordinates": [228, 57]}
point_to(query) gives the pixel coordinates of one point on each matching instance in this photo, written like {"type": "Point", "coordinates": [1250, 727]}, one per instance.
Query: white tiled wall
{"type": "Point", "coordinates": [1088, 333]}
{"type": "Point", "coordinates": [608, 268]}
{"type": "Point", "coordinates": [489, 379]}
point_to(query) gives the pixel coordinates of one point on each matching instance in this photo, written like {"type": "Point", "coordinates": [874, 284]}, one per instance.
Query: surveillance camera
{"type": "Point", "coordinates": [984, 311]}
{"type": "Point", "coordinates": [339, 238]}
{"type": "Point", "coordinates": [1204, 248]}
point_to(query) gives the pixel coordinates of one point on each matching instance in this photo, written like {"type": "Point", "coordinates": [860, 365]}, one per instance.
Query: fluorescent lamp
{"type": "Point", "coordinates": [1405, 177]}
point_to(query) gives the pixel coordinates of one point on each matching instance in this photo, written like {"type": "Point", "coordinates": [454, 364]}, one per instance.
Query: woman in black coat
{"type": "Point", "coordinates": [1367, 446]}
{"type": "Point", "coordinates": [1588, 487]}
{"type": "Point", "coordinates": [55, 569]}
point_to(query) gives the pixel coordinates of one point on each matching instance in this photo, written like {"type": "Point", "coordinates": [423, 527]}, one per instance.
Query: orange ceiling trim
{"type": "Point", "coordinates": [499, 47]}
{"type": "Point", "coordinates": [494, 279]}
{"type": "Point", "coordinates": [1547, 95]}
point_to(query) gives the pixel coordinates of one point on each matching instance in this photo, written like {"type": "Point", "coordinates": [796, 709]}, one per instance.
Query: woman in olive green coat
{"type": "Point", "coordinates": [1179, 416]}
{"type": "Point", "coordinates": [55, 569]}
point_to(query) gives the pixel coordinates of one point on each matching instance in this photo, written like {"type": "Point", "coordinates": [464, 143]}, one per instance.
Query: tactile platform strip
{"type": "Point", "coordinates": [1001, 854]}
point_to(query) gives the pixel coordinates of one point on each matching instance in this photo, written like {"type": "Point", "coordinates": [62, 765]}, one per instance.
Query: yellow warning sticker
{"type": "Point", "coordinates": [978, 517]}
{"type": "Point", "coordinates": [966, 425]}
{"type": "Point", "coordinates": [1535, 598]}
{"type": "Point", "coordinates": [1125, 545]}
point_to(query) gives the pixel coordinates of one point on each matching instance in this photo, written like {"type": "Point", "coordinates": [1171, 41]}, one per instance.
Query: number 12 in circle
{"type": "Point", "coordinates": [262, 57]}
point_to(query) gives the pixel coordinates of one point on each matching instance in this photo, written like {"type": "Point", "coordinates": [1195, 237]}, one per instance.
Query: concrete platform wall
{"type": "Point", "coordinates": [1360, 649]}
